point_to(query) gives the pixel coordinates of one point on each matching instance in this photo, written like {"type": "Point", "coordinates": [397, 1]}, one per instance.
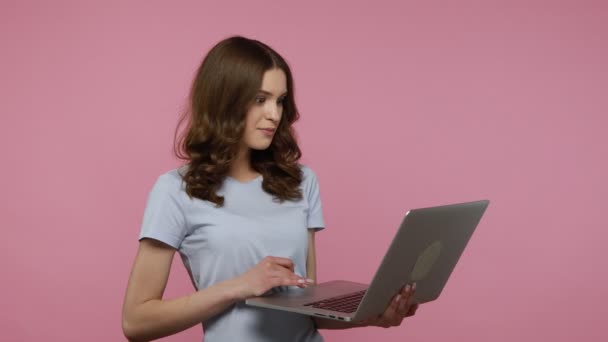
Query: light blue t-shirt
{"type": "Point", "coordinates": [217, 244]}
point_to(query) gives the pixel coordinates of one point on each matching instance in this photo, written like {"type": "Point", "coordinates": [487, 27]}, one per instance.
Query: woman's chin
{"type": "Point", "coordinates": [260, 146]}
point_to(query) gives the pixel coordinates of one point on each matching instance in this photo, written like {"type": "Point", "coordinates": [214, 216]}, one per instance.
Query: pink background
{"type": "Point", "coordinates": [403, 106]}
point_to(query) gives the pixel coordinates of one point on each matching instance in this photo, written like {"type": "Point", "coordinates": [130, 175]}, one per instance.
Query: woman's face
{"type": "Point", "coordinates": [263, 116]}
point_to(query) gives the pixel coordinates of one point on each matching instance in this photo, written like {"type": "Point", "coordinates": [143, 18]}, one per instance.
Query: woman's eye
{"type": "Point", "coordinates": [259, 99]}
{"type": "Point", "coordinates": [281, 100]}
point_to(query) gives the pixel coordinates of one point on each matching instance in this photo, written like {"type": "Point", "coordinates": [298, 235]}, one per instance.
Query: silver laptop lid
{"type": "Point", "coordinates": [425, 250]}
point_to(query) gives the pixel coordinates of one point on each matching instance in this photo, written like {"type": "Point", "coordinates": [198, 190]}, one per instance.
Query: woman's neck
{"type": "Point", "coordinates": [241, 167]}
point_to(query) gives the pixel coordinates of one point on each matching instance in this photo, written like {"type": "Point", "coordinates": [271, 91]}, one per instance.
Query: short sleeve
{"type": "Point", "coordinates": [313, 195]}
{"type": "Point", "coordinates": [164, 218]}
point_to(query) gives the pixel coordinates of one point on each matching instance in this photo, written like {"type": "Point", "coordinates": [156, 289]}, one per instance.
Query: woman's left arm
{"type": "Point", "coordinates": [399, 308]}
{"type": "Point", "coordinates": [311, 273]}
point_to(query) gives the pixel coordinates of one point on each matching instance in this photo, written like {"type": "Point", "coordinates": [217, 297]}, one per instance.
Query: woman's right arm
{"type": "Point", "coordinates": [146, 316]}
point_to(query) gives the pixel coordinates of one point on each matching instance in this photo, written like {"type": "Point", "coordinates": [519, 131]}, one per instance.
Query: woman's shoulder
{"type": "Point", "coordinates": [309, 176]}
{"type": "Point", "coordinates": [307, 172]}
{"type": "Point", "coordinates": [172, 178]}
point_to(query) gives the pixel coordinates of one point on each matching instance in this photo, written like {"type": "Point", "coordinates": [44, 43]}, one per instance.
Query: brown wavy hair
{"type": "Point", "coordinates": [225, 86]}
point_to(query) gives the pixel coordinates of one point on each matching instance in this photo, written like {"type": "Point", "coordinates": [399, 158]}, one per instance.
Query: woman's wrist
{"type": "Point", "coordinates": [236, 290]}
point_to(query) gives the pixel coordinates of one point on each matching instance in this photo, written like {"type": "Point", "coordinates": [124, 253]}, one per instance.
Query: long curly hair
{"type": "Point", "coordinates": [224, 88]}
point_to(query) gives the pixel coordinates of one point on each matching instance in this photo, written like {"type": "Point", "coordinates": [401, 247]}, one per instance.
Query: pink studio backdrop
{"type": "Point", "coordinates": [403, 105]}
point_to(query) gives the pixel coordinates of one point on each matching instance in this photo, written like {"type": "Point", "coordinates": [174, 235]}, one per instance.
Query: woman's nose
{"type": "Point", "coordinates": [273, 112]}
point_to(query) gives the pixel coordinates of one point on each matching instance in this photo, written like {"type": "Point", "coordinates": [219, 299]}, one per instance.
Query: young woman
{"type": "Point", "coordinates": [241, 212]}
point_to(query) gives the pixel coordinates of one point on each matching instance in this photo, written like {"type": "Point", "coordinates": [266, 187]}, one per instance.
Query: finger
{"type": "Point", "coordinates": [391, 311]}
{"type": "Point", "coordinates": [407, 309]}
{"type": "Point", "coordinates": [392, 308]}
{"type": "Point", "coordinates": [395, 302]}
{"type": "Point", "coordinates": [402, 309]}
{"type": "Point", "coordinates": [407, 300]}
{"type": "Point", "coordinates": [405, 293]}
{"type": "Point", "coordinates": [285, 262]}
{"type": "Point", "coordinates": [286, 281]}
{"type": "Point", "coordinates": [412, 310]}
{"type": "Point", "coordinates": [293, 278]}
{"type": "Point", "coordinates": [411, 293]}
{"type": "Point", "coordinates": [277, 271]}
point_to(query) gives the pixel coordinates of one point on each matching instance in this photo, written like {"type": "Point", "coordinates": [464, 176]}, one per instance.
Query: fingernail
{"type": "Point", "coordinates": [414, 286]}
{"type": "Point", "coordinates": [397, 298]}
{"type": "Point", "coordinates": [301, 281]}
{"type": "Point", "coordinates": [407, 288]}
{"type": "Point", "coordinates": [310, 281]}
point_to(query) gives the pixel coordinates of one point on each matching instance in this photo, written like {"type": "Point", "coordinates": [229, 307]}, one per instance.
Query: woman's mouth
{"type": "Point", "coordinates": [267, 131]}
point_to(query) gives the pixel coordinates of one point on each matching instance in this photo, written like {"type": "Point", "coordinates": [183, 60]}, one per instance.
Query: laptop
{"type": "Point", "coordinates": [425, 250]}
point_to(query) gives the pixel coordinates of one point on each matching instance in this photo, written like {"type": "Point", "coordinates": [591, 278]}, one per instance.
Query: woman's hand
{"type": "Point", "coordinates": [401, 306]}
{"type": "Point", "coordinates": [268, 273]}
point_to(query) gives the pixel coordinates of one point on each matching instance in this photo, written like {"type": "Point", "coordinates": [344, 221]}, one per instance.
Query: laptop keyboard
{"type": "Point", "coordinates": [344, 303]}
